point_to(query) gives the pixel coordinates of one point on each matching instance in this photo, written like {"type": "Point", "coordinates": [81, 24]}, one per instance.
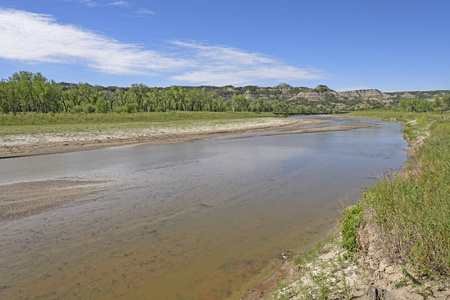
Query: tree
{"type": "Point", "coordinates": [139, 91]}
{"type": "Point", "coordinates": [446, 102]}
{"type": "Point", "coordinates": [4, 100]}
{"type": "Point", "coordinates": [209, 99]}
{"type": "Point", "coordinates": [85, 91]}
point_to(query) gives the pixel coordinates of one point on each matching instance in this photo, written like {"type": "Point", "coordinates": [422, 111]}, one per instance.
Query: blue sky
{"type": "Point", "coordinates": [394, 45]}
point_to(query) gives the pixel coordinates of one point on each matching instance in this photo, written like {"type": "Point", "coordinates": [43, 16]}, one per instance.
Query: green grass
{"type": "Point", "coordinates": [414, 211]}
{"type": "Point", "coordinates": [21, 119]}
{"type": "Point", "coordinates": [36, 123]}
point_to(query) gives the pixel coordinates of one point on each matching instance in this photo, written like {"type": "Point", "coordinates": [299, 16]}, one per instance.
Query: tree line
{"type": "Point", "coordinates": [32, 92]}
{"type": "Point", "coordinates": [440, 104]}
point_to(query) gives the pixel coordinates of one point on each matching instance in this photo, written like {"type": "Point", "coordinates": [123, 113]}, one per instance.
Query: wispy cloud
{"type": "Point", "coordinates": [119, 3]}
{"type": "Point", "coordinates": [222, 65]}
{"type": "Point", "coordinates": [38, 38]}
{"type": "Point", "coordinates": [144, 11]}
{"type": "Point", "coordinates": [91, 3]}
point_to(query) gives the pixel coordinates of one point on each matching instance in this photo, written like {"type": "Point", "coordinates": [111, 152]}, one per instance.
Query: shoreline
{"type": "Point", "coordinates": [373, 274]}
{"type": "Point", "coordinates": [287, 271]}
{"type": "Point", "coordinates": [78, 189]}
{"type": "Point", "coordinates": [20, 145]}
{"type": "Point", "coordinates": [22, 199]}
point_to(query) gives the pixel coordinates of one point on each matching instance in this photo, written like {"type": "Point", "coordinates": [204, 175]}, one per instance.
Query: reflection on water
{"type": "Point", "coordinates": [200, 220]}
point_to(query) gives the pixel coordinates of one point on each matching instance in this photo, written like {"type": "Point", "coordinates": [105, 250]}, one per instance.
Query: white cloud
{"type": "Point", "coordinates": [89, 3]}
{"type": "Point", "coordinates": [119, 3]}
{"type": "Point", "coordinates": [38, 38]}
{"type": "Point", "coordinates": [222, 65]}
{"type": "Point", "coordinates": [144, 11]}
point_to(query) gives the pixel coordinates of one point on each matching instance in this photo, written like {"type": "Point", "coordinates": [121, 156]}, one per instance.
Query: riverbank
{"type": "Point", "coordinates": [27, 198]}
{"type": "Point", "coordinates": [57, 139]}
{"type": "Point", "coordinates": [394, 260]}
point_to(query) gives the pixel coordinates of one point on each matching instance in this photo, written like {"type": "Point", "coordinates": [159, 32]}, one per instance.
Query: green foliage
{"type": "Point", "coordinates": [352, 220]}
{"type": "Point", "coordinates": [131, 108]}
{"type": "Point", "coordinates": [89, 108]}
{"type": "Point", "coordinates": [28, 92]}
{"type": "Point", "coordinates": [415, 105]}
{"type": "Point", "coordinates": [25, 119]}
{"type": "Point", "coordinates": [102, 106]}
{"type": "Point", "coordinates": [415, 211]}
{"type": "Point", "coordinates": [77, 109]}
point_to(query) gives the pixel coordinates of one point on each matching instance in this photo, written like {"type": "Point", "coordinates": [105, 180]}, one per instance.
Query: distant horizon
{"type": "Point", "coordinates": [262, 86]}
{"type": "Point", "coordinates": [388, 46]}
{"type": "Point", "coordinates": [106, 86]}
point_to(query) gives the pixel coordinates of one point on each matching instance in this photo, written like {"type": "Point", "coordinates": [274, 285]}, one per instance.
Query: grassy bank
{"type": "Point", "coordinates": [414, 211]}
{"type": "Point", "coordinates": [411, 211]}
{"type": "Point", "coordinates": [30, 123]}
{"type": "Point", "coordinates": [20, 119]}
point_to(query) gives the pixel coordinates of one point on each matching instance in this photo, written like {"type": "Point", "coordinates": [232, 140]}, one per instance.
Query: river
{"type": "Point", "coordinates": [201, 220]}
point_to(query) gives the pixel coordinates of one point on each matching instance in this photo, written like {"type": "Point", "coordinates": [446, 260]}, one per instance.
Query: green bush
{"type": "Point", "coordinates": [131, 108]}
{"type": "Point", "coordinates": [353, 218]}
{"type": "Point", "coordinates": [77, 109]}
{"type": "Point", "coordinates": [89, 109]}
{"type": "Point", "coordinates": [119, 109]}
{"type": "Point", "coordinates": [102, 105]}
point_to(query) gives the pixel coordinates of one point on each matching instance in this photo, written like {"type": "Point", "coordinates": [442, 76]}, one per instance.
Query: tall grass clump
{"type": "Point", "coordinates": [414, 211]}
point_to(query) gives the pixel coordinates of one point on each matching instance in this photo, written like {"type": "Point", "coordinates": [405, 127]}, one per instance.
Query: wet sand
{"type": "Point", "coordinates": [28, 198]}
{"type": "Point", "coordinates": [317, 129]}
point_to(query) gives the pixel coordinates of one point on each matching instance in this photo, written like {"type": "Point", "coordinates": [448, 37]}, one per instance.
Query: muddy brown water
{"type": "Point", "coordinates": [200, 220]}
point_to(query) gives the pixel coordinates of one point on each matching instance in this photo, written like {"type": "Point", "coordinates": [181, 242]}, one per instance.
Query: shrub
{"type": "Point", "coordinates": [77, 109]}
{"type": "Point", "coordinates": [89, 109]}
{"type": "Point", "coordinates": [131, 108]}
{"type": "Point", "coordinates": [353, 218]}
